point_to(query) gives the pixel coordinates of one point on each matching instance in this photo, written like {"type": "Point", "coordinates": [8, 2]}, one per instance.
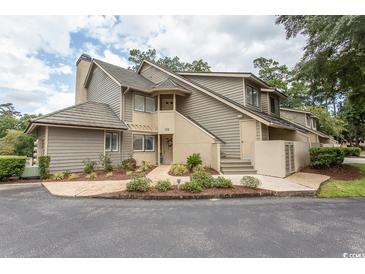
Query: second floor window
{"type": "Point", "coordinates": [274, 105]}
{"type": "Point", "coordinates": [252, 96]}
{"type": "Point", "coordinates": [144, 103]}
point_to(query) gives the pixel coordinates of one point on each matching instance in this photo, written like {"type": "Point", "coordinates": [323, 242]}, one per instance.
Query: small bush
{"type": "Point", "coordinates": [73, 176]}
{"type": "Point", "coordinates": [67, 173]}
{"type": "Point", "coordinates": [193, 161]}
{"type": "Point", "coordinates": [106, 162]}
{"type": "Point", "coordinates": [144, 166]}
{"type": "Point", "coordinates": [58, 176]}
{"type": "Point", "coordinates": [199, 168]}
{"type": "Point", "coordinates": [43, 164]}
{"type": "Point", "coordinates": [11, 166]}
{"type": "Point", "coordinates": [203, 178]}
{"type": "Point", "coordinates": [91, 176]}
{"type": "Point", "coordinates": [163, 185]}
{"type": "Point", "coordinates": [128, 164]}
{"type": "Point", "coordinates": [191, 186]}
{"type": "Point", "coordinates": [178, 169]}
{"type": "Point", "coordinates": [109, 174]}
{"type": "Point", "coordinates": [250, 181]}
{"type": "Point", "coordinates": [351, 151]}
{"type": "Point", "coordinates": [89, 166]}
{"type": "Point", "coordinates": [139, 184]}
{"type": "Point", "coordinates": [222, 182]}
{"type": "Point", "coordinates": [325, 157]}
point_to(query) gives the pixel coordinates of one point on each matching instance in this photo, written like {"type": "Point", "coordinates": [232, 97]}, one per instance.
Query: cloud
{"type": "Point", "coordinates": [37, 53]}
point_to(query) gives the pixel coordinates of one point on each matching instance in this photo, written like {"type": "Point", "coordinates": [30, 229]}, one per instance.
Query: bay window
{"type": "Point", "coordinates": [111, 141]}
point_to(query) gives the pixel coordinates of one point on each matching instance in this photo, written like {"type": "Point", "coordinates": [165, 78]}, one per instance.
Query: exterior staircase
{"type": "Point", "coordinates": [236, 166]}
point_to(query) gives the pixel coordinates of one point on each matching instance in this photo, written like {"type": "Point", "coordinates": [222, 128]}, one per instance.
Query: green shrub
{"type": "Point", "coordinates": [163, 185]}
{"type": "Point", "coordinates": [178, 169]}
{"type": "Point", "coordinates": [91, 175]}
{"type": "Point", "coordinates": [222, 182]}
{"type": "Point", "coordinates": [128, 164]}
{"type": "Point", "coordinates": [109, 174]}
{"type": "Point", "coordinates": [73, 176]}
{"type": "Point", "coordinates": [11, 166]}
{"type": "Point", "coordinates": [250, 181]}
{"type": "Point", "coordinates": [351, 151]}
{"type": "Point", "coordinates": [58, 176]}
{"type": "Point", "coordinates": [67, 173]}
{"type": "Point", "coordinates": [324, 157]}
{"type": "Point", "coordinates": [106, 162]}
{"type": "Point", "coordinates": [191, 186]}
{"type": "Point", "coordinates": [139, 184]}
{"type": "Point", "coordinates": [43, 163]}
{"type": "Point", "coordinates": [193, 160]}
{"type": "Point", "coordinates": [144, 166]}
{"type": "Point", "coordinates": [89, 166]}
{"type": "Point", "coordinates": [203, 178]}
{"type": "Point", "coordinates": [199, 168]}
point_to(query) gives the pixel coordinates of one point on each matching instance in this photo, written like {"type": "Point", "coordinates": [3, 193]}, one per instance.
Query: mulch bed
{"type": "Point", "coordinates": [101, 176]}
{"type": "Point", "coordinates": [175, 193]}
{"type": "Point", "coordinates": [211, 171]}
{"type": "Point", "coordinates": [343, 172]}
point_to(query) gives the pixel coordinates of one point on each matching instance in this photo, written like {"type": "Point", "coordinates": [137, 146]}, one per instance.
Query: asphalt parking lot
{"type": "Point", "coordinates": [35, 224]}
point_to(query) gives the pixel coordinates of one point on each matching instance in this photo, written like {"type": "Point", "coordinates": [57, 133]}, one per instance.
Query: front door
{"type": "Point", "coordinates": [248, 137]}
{"type": "Point", "coordinates": [166, 149]}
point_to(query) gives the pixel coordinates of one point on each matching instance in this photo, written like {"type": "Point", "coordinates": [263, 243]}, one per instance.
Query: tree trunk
{"type": "Point", "coordinates": [357, 141]}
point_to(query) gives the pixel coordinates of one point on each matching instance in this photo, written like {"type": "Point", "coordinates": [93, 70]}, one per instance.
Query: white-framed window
{"type": "Point", "coordinates": [150, 104]}
{"type": "Point", "coordinates": [139, 103]}
{"type": "Point", "coordinates": [149, 143]}
{"type": "Point", "coordinates": [111, 141]}
{"type": "Point", "coordinates": [144, 103]}
{"type": "Point", "coordinates": [307, 120]}
{"type": "Point", "coordinates": [143, 142]}
{"type": "Point", "coordinates": [252, 96]}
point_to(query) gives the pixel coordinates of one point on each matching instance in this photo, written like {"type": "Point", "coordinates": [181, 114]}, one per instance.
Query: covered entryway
{"type": "Point", "coordinates": [166, 149]}
{"type": "Point", "coordinates": [248, 137]}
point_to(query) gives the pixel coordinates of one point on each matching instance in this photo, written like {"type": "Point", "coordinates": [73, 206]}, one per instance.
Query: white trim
{"type": "Point", "coordinates": [46, 142]}
{"type": "Point", "coordinates": [71, 126]}
{"type": "Point", "coordinates": [244, 91]}
{"type": "Point", "coordinates": [104, 141]}
{"type": "Point", "coordinates": [219, 74]}
{"type": "Point", "coordinates": [211, 94]}
{"type": "Point", "coordinates": [137, 150]}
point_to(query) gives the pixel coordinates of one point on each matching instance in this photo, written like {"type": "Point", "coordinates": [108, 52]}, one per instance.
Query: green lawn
{"type": "Point", "coordinates": [339, 188]}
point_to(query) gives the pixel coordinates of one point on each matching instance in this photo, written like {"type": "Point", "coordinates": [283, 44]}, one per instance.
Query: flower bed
{"type": "Point", "coordinates": [175, 193]}
{"type": "Point", "coordinates": [211, 171]}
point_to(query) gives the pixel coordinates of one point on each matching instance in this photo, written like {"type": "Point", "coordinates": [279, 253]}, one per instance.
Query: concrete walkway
{"type": "Point", "coordinates": [359, 160]}
{"type": "Point", "coordinates": [299, 182]}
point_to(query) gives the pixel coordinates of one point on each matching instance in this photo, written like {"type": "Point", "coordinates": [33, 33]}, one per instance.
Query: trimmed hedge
{"type": "Point", "coordinates": [43, 163]}
{"type": "Point", "coordinates": [11, 166]}
{"type": "Point", "coordinates": [324, 157]}
{"type": "Point", "coordinates": [351, 151]}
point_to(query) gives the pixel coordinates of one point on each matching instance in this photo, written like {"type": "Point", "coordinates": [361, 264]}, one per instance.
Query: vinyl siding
{"type": "Point", "coordinates": [68, 147]}
{"type": "Point", "coordinates": [294, 116]}
{"type": "Point", "coordinates": [153, 74]}
{"type": "Point", "coordinates": [214, 115]}
{"type": "Point", "coordinates": [126, 144]}
{"type": "Point", "coordinates": [265, 102]}
{"type": "Point", "coordinates": [230, 87]}
{"type": "Point", "coordinates": [128, 107]}
{"type": "Point", "coordinates": [265, 132]}
{"type": "Point", "coordinates": [103, 89]}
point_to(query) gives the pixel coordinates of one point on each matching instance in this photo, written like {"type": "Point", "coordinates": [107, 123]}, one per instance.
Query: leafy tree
{"type": "Point", "coordinates": [281, 77]}
{"type": "Point", "coordinates": [24, 144]}
{"type": "Point", "coordinates": [7, 121]}
{"type": "Point", "coordinates": [334, 51]}
{"type": "Point", "coordinates": [7, 142]}
{"type": "Point", "coordinates": [327, 122]}
{"type": "Point", "coordinates": [354, 115]}
{"type": "Point", "coordinates": [136, 56]}
{"type": "Point", "coordinates": [8, 109]}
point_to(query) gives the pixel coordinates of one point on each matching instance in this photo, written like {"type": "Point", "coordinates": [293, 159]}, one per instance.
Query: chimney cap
{"type": "Point", "coordinates": [85, 57]}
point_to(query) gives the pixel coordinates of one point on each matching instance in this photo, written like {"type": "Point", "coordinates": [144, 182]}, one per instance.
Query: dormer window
{"type": "Point", "coordinates": [307, 120]}
{"type": "Point", "coordinates": [274, 105]}
{"type": "Point", "coordinates": [252, 96]}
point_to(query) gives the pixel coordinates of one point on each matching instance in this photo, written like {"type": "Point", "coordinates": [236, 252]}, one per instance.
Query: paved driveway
{"type": "Point", "coordinates": [35, 224]}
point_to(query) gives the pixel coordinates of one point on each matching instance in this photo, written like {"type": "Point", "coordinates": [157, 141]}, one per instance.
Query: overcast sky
{"type": "Point", "coordinates": [38, 53]}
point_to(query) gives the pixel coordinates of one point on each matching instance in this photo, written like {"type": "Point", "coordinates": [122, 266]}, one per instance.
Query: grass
{"type": "Point", "coordinates": [340, 188]}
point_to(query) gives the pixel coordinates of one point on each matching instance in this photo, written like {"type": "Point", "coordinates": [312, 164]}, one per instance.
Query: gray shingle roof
{"type": "Point", "coordinates": [89, 114]}
{"type": "Point", "coordinates": [126, 77]}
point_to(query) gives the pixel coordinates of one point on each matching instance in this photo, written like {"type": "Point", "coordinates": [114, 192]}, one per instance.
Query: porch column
{"type": "Point", "coordinates": [158, 102]}
{"type": "Point", "coordinates": [174, 106]}
{"type": "Point", "coordinates": [158, 149]}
